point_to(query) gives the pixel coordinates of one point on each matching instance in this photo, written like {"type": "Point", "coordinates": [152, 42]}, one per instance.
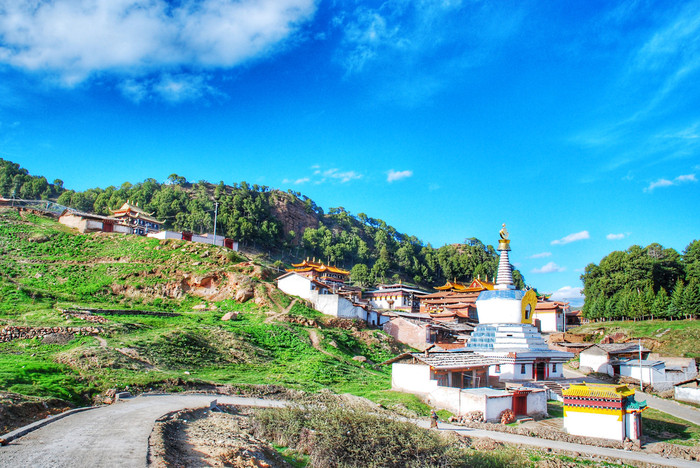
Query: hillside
{"type": "Point", "coordinates": [49, 273]}
{"type": "Point", "coordinates": [285, 226]}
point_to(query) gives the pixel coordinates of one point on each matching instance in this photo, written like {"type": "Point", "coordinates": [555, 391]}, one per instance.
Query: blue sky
{"type": "Point", "coordinates": [576, 123]}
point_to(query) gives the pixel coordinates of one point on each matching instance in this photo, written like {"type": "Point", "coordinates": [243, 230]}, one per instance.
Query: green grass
{"type": "Point", "coordinates": [80, 270]}
{"type": "Point", "coordinates": [555, 409]}
{"type": "Point", "coordinates": [663, 426]}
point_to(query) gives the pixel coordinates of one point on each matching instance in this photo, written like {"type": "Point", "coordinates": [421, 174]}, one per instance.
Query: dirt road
{"type": "Point", "coordinates": [108, 436]}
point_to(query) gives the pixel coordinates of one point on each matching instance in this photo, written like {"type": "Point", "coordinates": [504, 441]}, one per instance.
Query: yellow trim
{"type": "Point", "coordinates": [530, 298]}
{"type": "Point", "coordinates": [598, 391]}
{"type": "Point", "coordinates": [607, 411]}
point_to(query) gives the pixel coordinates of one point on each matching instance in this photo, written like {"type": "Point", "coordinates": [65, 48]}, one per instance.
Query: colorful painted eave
{"type": "Point", "coordinates": [317, 266]}
{"type": "Point", "coordinates": [598, 391]}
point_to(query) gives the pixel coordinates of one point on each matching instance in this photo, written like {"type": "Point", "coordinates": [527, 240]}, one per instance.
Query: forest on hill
{"type": "Point", "coordinates": [288, 225]}
{"type": "Point", "coordinates": [644, 282]}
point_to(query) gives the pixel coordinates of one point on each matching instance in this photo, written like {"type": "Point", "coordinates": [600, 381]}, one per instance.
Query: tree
{"type": "Point", "coordinates": [360, 275]}
{"type": "Point", "coordinates": [660, 307]}
{"type": "Point", "coordinates": [676, 310]}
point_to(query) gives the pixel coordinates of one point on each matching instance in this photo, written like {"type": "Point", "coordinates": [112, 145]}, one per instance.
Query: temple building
{"type": "Point", "coordinates": [455, 301]}
{"type": "Point", "coordinates": [141, 221]}
{"type": "Point", "coordinates": [396, 297]}
{"type": "Point", "coordinates": [317, 271]}
{"type": "Point", "coordinates": [550, 316]}
{"type": "Point", "coordinates": [505, 331]}
{"type": "Point", "coordinates": [603, 410]}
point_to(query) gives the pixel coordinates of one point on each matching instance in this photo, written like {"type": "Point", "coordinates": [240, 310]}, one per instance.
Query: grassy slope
{"type": "Point", "coordinates": [72, 269]}
{"type": "Point", "coordinates": [674, 338]}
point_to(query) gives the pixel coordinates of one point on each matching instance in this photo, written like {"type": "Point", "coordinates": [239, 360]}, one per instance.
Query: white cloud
{"type": "Point", "coordinates": [615, 236]}
{"type": "Point", "coordinates": [577, 236]}
{"type": "Point", "coordinates": [76, 39]}
{"type": "Point", "coordinates": [569, 294]}
{"type": "Point", "coordinates": [550, 267]}
{"type": "Point", "coordinates": [346, 176]}
{"type": "Point", "coordinates": [681, 179]}
{"type": "Point", "coordinates": [393, 175]}
{"type": "Point", "coordinates": [302, 180]}
{"type": "Point", "coordinates": [541, 255]}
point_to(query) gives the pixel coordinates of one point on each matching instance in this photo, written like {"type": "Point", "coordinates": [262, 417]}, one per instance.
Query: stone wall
{"type": "Point", "coordinates": [10, 333]}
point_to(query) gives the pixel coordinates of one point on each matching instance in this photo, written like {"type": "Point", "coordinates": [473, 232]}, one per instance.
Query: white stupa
{"type": "Point", "coordinates": [505, 329]}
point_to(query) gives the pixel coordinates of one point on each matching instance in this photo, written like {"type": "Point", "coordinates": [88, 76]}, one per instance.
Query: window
{"type": "Point", "coordinates": [522, 368]}
{"type": "Point", "coordinates": [498, 368]}
{"type": "Point", "coordinates": [554, 367]}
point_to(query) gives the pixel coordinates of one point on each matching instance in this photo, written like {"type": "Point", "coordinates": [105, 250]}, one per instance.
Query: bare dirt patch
{"type": "Point", "coordinates": [19, 410]}
{"type": "Point", "coordinates": [209, 438]}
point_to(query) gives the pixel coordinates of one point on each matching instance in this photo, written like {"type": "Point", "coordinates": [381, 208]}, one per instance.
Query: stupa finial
{"type": "Point", "coordinates": [504, 279]}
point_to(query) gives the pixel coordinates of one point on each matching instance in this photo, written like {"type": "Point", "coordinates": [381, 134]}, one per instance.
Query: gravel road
{"type": "Point", "coordinates": [108, 436]}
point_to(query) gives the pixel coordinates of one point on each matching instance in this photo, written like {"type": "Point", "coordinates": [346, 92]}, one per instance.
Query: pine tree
{"type": "Point", "coordinates": [676, 309]}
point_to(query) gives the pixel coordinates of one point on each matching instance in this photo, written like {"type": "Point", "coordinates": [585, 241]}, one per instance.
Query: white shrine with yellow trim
{"type": "Point", "coordinates": [602, 410]}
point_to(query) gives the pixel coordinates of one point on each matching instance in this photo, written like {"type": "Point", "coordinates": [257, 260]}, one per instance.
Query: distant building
{"type": "Point", "coordinates": [550, 316]}
{"type": "Point", "coordinates": [141, 221]}
{"type": "Point", "coordinates": [602, 410]}
{"type": "Point", "coordinates": [395, 297]}
{"type": "Point", "coordinates": [89, 222]}
{"type": "Point", "coordinates": [455, 300]}
{"type": "Point", "coordinates": [330, 275]}
{"type": "Point", "coordinates": [606, 358]}
{"type": "Point", "coordinates": [321, 296]}
{"type": "Point", "coordinates": [221, 241]}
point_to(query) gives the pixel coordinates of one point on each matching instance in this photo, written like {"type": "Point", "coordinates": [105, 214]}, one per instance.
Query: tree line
{"type": "Point", "coordinates": [644, 282]}
{"type": "Point", "coordinates": [370, 248]}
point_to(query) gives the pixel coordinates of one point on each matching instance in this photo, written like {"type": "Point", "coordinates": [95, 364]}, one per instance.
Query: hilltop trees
{"type": "Point", "coordinates": [644, 282]}
{"type": "Point", "coordinates": [248, 214]}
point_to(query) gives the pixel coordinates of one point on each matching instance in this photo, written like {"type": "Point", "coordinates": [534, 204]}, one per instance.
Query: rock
{"type": "Point", "coordinates": [359, 358]}
{"type": "Point", "coordinates": [230, 316]}
{"type": "Point", "coordinates": [199, 307]}
{"type": "Point", "coordinates": [243, 295]}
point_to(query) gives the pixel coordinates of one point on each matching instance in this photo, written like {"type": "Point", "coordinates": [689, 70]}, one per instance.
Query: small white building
{"type": "Point", "coordinates": [688, 391]}
{"type": "Point", "coordinates": [652, 372]}
{"type": "Point", "coordinates": [550, 316]}
{"type": "Point", "coordinates": [89, 222]}
{"type": "Point", "coordinates": [207, 238]}
{"type": "Point", "coordinates": [606, 358]}
{"type": "Point", "coordinates": [320, 296]}
{"type": "Point", "coordinates": [456, 381]}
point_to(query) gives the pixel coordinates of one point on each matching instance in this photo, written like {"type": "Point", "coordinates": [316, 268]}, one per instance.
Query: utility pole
{"type": "Point", "coordinates": [641, 380]}
{"type": "Point", "coordinates": [216, 212]}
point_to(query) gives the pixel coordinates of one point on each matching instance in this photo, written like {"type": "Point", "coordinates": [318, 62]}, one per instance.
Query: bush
{"type": "Point", "coordinates": [336, 435]}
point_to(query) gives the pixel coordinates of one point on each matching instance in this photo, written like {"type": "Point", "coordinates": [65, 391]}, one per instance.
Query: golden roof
{"type": "Point", "coordinates": [477, 284]}
{"type": "Point", "coordinates": [307, 265]}
{"type": "Point", "coordinates": [592, 390]}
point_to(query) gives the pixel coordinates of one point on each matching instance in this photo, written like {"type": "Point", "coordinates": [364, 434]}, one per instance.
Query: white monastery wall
{"type": "Point", "coordinates": [691, 395]}
{"type": "Point", "coordinates": [650, 375]}
{"type": "Point", "coordinates": [495, 405]}
{"type": "Point", "coordinates": [606, 426]}
{"type": "Point", "coordinates": [599, 363]}
{"type": "Point", "coordinates": [412, 378]}
{"type": "Point", "coordinates": [537, 402]}
{"type": "Point", "coordinates": [296, 285]}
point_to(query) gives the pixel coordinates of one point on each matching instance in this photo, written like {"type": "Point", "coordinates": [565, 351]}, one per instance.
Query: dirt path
{"type": "Point", "coordinates": [283, 310]}
{"type": "Point", "coordinates": [316, 343]}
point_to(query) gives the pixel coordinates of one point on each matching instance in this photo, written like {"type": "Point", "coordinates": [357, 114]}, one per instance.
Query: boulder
{"type": "Point", "coordinates": [229, 316]}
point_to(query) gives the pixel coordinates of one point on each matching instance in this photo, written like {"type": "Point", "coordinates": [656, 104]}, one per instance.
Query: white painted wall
{"type": "Point", "coordinates": [605, 426]}
{"type": "Point", "coordinates": [412, 378]}
{"type": "Point", "coordinates": [165, 235]}
{"type": "Point", "coordinates": [495, 405]}
{"type": "Point", "coordinates": [549, 321]}
{"type": "Point", "coordinates": [498, 310]}
{"type": "Point", "coordinates": [691, 395]}
{"type": "Point", "coordinates": [295, 285]}
{"type": "Point", "coordinates": [333, 304]}
{"type": "Point", "coordinates": [537, 402]}
{"type": "Point", "coordinates": [599, 363]}
{"type": "Point", "coordinates": [650, 375]}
